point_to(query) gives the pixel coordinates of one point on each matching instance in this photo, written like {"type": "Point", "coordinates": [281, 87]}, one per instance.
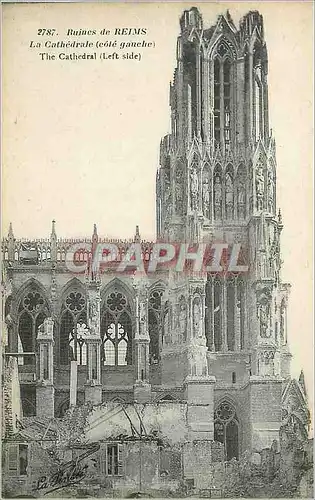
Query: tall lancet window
{"type": "Point", "coordinates": [190, 78]}
{"type": "Point", "coordinates": [222, 94]}
{"type": "Point", "coordinates": [258, 106]}
{"type": "Point", "coordinates": [31, 314]}
{"type": "Point", "coordinates": [73, 328]}
{"type": "Point", "coordinates": [257, 93]}
{"type": "Point", "coordinates": [116, 330]}
{"type": "Point", "coordinates": [217, 100]}
{"type": "Point", "coordinates": [227, 100]}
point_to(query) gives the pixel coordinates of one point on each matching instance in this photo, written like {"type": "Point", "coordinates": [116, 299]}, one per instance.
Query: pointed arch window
{"type": "Point", "coordinates": [116, 330]}
{"type": "Point", "coordinates": [227, 100]}
{"type": "Point", "coordinates": [222, 95]}
{"type": "Point", "coordinates": [32, 312]}
{"type": "Point", "coordinates": [73, 328]}
{"type": "Point", "coordinates": [257, 93]}
{"type": "Point", "coordinates": [226, 429]}
{"type": "Point", "coordinates": [217, 100]}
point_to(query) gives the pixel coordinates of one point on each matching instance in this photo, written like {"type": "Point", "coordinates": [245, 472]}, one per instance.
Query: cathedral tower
{"type": "Point", "coordinates": [217, 183]}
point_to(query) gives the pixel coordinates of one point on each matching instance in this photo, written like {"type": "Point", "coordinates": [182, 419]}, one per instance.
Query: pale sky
{"type": "Point", "coordinates": [81, 139]}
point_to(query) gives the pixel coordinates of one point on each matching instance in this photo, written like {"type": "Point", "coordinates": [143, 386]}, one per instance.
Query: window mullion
{"type": "Point", "coordinates": [221, 102]}
{"type": "Point", "coordinates": [75, 344]}
{"type": "Point", "coordinates": [116, 342]}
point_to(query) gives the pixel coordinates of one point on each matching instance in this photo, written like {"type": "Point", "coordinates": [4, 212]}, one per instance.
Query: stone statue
{"type": "Point", "coordinates": [217, 197]}
{"type": "Point", "coordinates": [166, 327]}
{"type": "Point", "coordinates": [46, 329]}
{"type": "Point", "coordinates": [260, 188]}
{"type": "Point", "coordinates": [241, 200]}
{"type": "Point", "coordinates": [270, 191]}
{"type": "Point", "coordinates": [142, 318]}
{"type": "Point", "coordinates": [205, 197]}
{"type": "Point", "coordinates": [229, 197]}
{"type": "Point", "coordinates": [93, 316]}
{"type": "Point", "coordinates": [194, 185]}
{"type": "Point", "coordinates": [197, 318]}
{"type": "Point", "coordinates": [198, 357]}
{"type": "Point", "coordinates": [266, 364]}
{"type": "Point", "coordinates": [263, 320]}
{"type": "Point", "coordinates": [183, 318]}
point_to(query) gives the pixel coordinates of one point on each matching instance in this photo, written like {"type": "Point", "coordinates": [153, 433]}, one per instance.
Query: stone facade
{"type": "Point", "coordinates": [214, 342]}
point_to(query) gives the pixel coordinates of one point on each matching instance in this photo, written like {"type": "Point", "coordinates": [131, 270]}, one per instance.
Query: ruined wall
{"type": "Point", "coordinates": [11, 396]}
{"type": "Point", "coordinates": [167, 419]}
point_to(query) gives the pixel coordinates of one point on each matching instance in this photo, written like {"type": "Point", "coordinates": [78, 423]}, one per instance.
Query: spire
{"type": "Point", "coordinates": [302, 382]}
{"type": "Point", "coordinates": [11, 243]}
{"type": "Point", "coordinates": [94, 239]}
{"type": "Point", "coordinates": [137, 235]}
{"type": "Point", "coordinates": [229, 19]}
{"type": "Point", "coordinates": [53, 229]}
{"type": "Point", "coordinates": [53, 242]}
{"type": "Point", "coordinates": [10, 233]}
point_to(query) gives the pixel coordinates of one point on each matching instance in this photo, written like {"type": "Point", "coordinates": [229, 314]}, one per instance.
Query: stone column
{"type": "Point", "coordinates": [237, 317]}
{"type": "Point", "coordinates": [199, 385]}
{"type": "Point", "coordinates": [142, 387]}
{"type": "Point", "coordinates": [224, 316]}
{"type": "Point", "coordinates": [93, 385]}
{"type": "Point", "coordinates": [45, 392]}
{"type": "Point", "coordinates": [212, 346]}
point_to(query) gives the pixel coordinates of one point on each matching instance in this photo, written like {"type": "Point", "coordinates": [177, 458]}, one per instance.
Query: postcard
{"type": "Point", "coordinates": [157, 250]}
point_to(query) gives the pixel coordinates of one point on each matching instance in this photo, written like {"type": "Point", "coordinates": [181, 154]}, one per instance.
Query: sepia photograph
{"type": "Point", "coordinates": [157, 250]}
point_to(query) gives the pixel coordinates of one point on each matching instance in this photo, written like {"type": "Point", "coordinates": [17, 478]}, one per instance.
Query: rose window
{"type": "Point", "coordinates": [33, 301]}
{"type": "Point", "coordinates": [225, 412]}
{"type": "Point", "coordinates": [75, 302]}
{"type": "Point", "coordinates": [116, 302]}
{"type": "Point", "coordinates": [226, 429]}
{"type": "Point", "coordinates": [155, 300]}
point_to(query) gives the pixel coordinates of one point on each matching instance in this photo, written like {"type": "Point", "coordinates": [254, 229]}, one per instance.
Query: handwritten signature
{"type": "Point", "coordinates": [69, 473]}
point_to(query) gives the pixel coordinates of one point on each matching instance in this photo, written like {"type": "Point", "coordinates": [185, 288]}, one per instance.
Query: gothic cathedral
{"type": "Point", "coordinates": [214, 342]}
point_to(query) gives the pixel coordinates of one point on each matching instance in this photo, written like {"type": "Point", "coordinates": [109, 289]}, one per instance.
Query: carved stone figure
{"type": "Point", "coordinates": [260, 188]}
{"type": "Point", "coordinates": [266, 364]}
{"type": "Point", "coordinates": [46, 329]}
{"type": "Point", "coordinates": [229, 197]}
{"type": "Point", "coordinates": [94, 316]}
{"type": "Point", "coordinates": [270, 191]}
{"type": "Point", "coordinates": [217, 197]}
{"type": "Point", "coordinates": [198, 357]}
{"type": "Point", "coordinates": [241, 200]}
{"type": "Point", "coordinates": [166, 327]}
{"type": "Point", "coordinates": [142, 317]}
{"type": "Point", "coordinates": [263, 320]}
{"type": "Point", "coordinates": [183, 318]}
{"type": "Point", "coordinates": [194, 185]}
{"type": "Point", "coordinates": [197, 318]}
{"type": "Point", "coordinates": [205, 197]}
